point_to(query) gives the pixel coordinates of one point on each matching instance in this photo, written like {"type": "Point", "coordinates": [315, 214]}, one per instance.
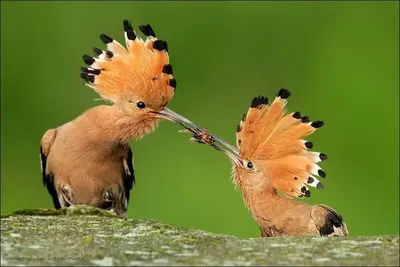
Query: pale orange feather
{"type": "Point", "coordinates": [274, 139]}
{"type": "Point", "coordinates": [134, 72]}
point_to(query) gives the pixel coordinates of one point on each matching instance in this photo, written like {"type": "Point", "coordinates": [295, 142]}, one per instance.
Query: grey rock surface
{"type": "Point", "coordinates": [88, 236]}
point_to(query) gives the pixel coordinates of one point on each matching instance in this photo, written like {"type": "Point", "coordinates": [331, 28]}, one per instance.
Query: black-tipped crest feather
{"type": "Point", "coordinates": [167, 69]}
{"type": "Point", "coordinates": [88, 59]}
{"type": "Point", "coordinates": [244, 117]}
{"type": "Point", "coordinates": [97, 51]}
{"type": "Point", "coordinates": [317, 124]}
{"type": "Point", "coordinates": [259, 100]}
{"type": "Point", "coordinates": [284, 93]}
{"type": "Point", "coordinates": [297, 115]}
{"type": "Point", "coordinates": [130, 33]}
{"type": "Point", "coordinates": [147, 30]}
{"type": "Point", "coordinates": [109, 54]}
{"type": "Point", "coordinates": [160, 45]}
{"type": "Point", "coordinates": [323, 156]}
{"type": "Point", "coordinates": [127, 25]}
{"type": "Point", "coordinates": [172, 83]}
{"type": "Point", "coordinates": [305, 119]}
{"type": "Point", "coordinates": [87, 77]}
{"type": "Point", "coordinates": [105, 39]}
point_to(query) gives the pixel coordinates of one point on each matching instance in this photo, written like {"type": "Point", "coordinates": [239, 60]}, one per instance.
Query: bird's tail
{"type": "Point", "coordinates": [328, 221]}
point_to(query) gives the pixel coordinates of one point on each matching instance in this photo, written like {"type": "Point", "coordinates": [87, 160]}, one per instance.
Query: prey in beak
{"type": "Point", "coordinates": [204, 137]}
{"type": "Point", "coordinates": [200, 135]}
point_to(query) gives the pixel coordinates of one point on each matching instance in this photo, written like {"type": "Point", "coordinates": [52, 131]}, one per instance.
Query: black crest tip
{"type": "Point", "coordinates": [305, 119]}
{"type": "Point", "coordinates": [309, 145]}
{"type": "Point", "coordinates": [238, 128]}
{"type": "Point", "coordinates": [87, 77]}
{"type": "Point", "coordinates": [297, 115]}
{"type": "Point", "coordinates": [303, 189]}
{"type": "Point", "coordinates": [127, 25]}
{"type": "Point", "coordinates": [109, 54]}
{"type": "Point", "coordinates": [88, 59]}
{"type": "Point", "coordinates": [255, 101]}
{"type": "Point", "coordinates": [244, 117]}
{"type": "Point", "coordinates": [321, 173]}
{"type": "Point", "coordinates": [320, 186]}
{"type": "Point", "coordinates": [172, 82]}
{"type": "Point", "coordinates": [259, 100]}
{"type": "Point", "coordinates": [310, 180]}
{"type": "Point", "coordinates": [323, 156]}
{"type": "Point", "coordinates": [147, 30]}
{"type": "Point", "coordinates": [97, 51]}
{"type": "Point", "coordinates": [167, 69]}
{"type": "Point", "coordinates": [307, 193]}
{"type": "Point", "coordinates": [131, 35]}
{"type": "Point", "coordinates": [91, 71]}
{"type": "Point", "coordinates": [105, 39]}
{"type": "Point", "coordinates": [84, 70]}
{"type": "Point", "coordinates": [160, 45]}
{"type": "Point", "coordinates": [284, 93]}
{"type": "Point", "coordinates": [95, 71]}
{"type": "Point", "coordinates": [317, 124]}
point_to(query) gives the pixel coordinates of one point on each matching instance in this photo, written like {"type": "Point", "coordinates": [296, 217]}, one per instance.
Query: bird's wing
{"type": "Point", "coordinates": [328, 221]}
{"type": "Point", "coordinates": [129, 179]}
{"type": "Point", "coordinates": [48, 178]}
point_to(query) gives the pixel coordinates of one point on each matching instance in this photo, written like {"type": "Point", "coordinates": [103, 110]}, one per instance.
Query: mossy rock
{"type": "Point", "coordinates": [89, 236]}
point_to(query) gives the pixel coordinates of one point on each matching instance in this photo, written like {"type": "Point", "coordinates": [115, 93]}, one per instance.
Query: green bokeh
{"type": "Point", "coordinates": [339, 59]}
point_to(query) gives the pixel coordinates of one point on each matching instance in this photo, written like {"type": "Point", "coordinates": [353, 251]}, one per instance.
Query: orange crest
{"type": "Point", "coordinates": [273, 139]}
{"type": "Point", "coordinates": [139, 71]}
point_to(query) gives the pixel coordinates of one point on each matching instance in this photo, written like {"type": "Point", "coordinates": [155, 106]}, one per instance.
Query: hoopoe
{"type": "Point", "coordinates": [272, 155]}
{"type": "Point", "coordinates": [88, 160]}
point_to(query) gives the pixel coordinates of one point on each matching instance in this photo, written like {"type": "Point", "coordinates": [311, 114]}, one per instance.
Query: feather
{"type": "Point", "coordinates": [275, 140]}
{"type": "Point", "coordinates": [139, 70]}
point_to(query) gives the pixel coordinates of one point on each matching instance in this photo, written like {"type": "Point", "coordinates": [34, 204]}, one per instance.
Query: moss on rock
{"type": "Point", "coordinates": [97, 237]}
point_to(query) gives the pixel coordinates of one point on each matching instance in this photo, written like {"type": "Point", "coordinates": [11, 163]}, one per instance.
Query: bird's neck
{"type": "Point", "coordinates": [267, 207]}
{"type": "Point", "coordinates": [261, 202]}
{"type": "Point", "coordinates": [116, 125]}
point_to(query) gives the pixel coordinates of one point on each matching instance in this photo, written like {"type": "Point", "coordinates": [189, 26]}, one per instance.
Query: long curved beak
{"type": "Point", "coordinates": [233, 156]}
{"type": "Point", "coordinates": [198, 131]}
{"type": "Point", "coordinates": [170, 115]}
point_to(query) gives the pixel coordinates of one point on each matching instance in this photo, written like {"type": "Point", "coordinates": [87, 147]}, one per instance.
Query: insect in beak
{"type": "Point", "coordinates": [204, 137]}
{"type": "Point", "coordinates": [200, 135]}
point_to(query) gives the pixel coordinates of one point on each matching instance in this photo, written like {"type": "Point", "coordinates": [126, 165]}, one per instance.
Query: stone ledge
{"type": "Point", "coordinates": [96, 237]}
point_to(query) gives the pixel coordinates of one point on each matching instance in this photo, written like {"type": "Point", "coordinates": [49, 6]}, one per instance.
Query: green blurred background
{"type": "Point", "coordinates": [339, 59]}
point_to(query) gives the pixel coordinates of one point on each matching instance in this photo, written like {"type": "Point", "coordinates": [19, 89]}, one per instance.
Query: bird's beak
{"type": "Point", "coordinates": [232, 155]}
{"type": "Point", "coordinates": [172, 116]}
{"type": "Point", "coordinates": [200, 132]}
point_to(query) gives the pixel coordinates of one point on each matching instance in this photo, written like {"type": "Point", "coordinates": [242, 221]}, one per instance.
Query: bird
{"type": "Point", "coordinates": [273, 164]}
{"type": "Point", "coordinates": [88, 160]}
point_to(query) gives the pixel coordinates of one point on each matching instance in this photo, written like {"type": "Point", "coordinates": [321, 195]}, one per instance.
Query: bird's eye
{"type": "Point", "coordinates": [249, 165]}
{"type": "Point", "coordinates": [140, 105]}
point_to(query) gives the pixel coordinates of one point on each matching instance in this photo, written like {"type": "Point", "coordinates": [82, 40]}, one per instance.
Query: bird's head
{"type": "Point", "coordinates": [247, 173]}
{"type": "Point", "coordinates": [138, 77]}
{"type": "Point", "coordinates": [270, 149]}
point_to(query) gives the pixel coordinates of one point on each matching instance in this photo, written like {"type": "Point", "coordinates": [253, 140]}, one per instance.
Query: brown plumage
{"type": "Point", "coordinates": [272, 156]}
{"type": "Point", "coordinates": [88, 160]}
